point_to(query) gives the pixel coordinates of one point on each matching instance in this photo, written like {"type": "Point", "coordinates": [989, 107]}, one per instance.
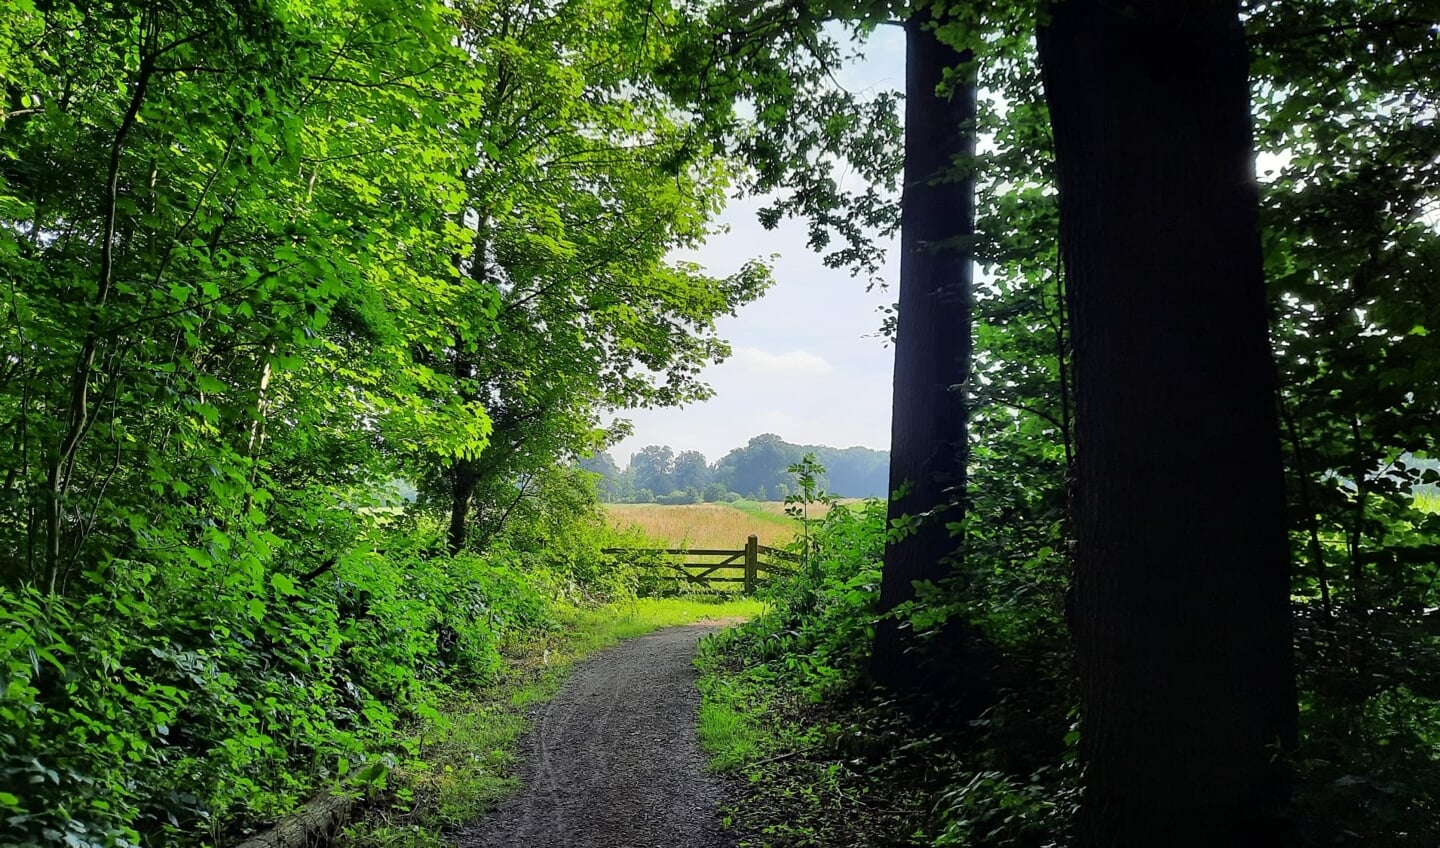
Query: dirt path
{"type": "Point", "coordinates": [613, 761]}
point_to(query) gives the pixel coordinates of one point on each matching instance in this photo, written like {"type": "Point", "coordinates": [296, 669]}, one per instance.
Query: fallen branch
{"type": "Point", "coordinates": [769, 760]}
{"type": "Point", "coordinates": [313, 824]}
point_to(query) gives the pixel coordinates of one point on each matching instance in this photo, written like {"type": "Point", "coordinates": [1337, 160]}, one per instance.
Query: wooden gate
{"type": "Point", "coordinates": [714, 568]}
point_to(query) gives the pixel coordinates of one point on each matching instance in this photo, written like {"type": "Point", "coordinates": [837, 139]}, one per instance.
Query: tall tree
{"type": "Point", "coordinates": [1181, 608]}
{"type": "Point", "coordinates": [583, 180]}
{"type": "Point", "coordinates": [690, 471]}
{"type": "Point", "coordinates": [932, 342]}
{"type": "Point", "coordinates": [653, 467]}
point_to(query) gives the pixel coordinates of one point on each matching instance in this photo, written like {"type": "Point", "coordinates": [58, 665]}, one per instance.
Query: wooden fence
{"type": "Point", "coordinates": [707, 566]}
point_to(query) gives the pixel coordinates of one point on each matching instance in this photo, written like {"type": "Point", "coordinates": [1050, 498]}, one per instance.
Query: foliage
{"type": "Point", "coordinates": [787, 691]}
{"type": "Point", "coordinates": [1351, 251]}
{"type": "Point", "coordinates": [142, 719]}
{"type": "Point", "coordinates": [817, 630]}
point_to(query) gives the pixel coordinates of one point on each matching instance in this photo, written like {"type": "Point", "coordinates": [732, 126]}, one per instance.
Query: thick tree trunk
{"type": "Point", "coordinates": [1182, 618]}
{"type": "Point", "coordinates": [932, 346]}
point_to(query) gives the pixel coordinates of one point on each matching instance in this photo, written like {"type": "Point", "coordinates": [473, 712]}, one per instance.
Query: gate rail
{"type": "Point", "coordinates": [703, 566]}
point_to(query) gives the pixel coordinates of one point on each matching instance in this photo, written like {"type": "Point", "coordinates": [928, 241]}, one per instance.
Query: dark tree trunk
{"type": "Point", "coordinates": [1181, 608]}
{"type": "Point", "coordinates": [932, 345]}
{"type": "Point", "coordinates": [464, 478]}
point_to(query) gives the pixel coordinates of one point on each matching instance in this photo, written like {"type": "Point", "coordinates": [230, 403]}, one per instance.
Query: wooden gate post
{"type": "Point", "coordinates": [752, 559]}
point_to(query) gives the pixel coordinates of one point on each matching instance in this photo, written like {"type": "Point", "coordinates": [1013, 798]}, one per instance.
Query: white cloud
{"type": "Point", "coordinates": [795, 363]}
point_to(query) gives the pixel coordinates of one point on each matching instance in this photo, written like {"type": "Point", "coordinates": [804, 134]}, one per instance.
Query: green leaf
{"type": "Point", "coordinates": [284, 585]}
{"type": "Point", "coordinates": [210, 385]}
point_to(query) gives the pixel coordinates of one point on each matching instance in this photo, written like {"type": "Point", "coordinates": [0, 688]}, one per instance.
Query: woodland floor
{"type": "Point", "coordinates": [613, 760]}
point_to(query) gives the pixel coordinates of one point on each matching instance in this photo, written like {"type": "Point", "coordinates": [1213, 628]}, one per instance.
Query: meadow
{"type": "Point", "coordinates": [708, 525]}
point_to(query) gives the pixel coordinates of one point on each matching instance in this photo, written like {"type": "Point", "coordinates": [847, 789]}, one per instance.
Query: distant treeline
{"type": "Point", "coordinates": [756, 471]}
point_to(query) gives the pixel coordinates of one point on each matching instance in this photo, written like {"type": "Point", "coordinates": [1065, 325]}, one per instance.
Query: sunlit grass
{"type": "Point", "coordinates": [777, 508]}
{"type": "Point", "coordinates": [727, 734]}
{"type": "Point", "coordinates": [708, 525]}
{"type": "Point", "coordinates": [736, 729]}
{"type": "Point", "coordinates": [610, 624]}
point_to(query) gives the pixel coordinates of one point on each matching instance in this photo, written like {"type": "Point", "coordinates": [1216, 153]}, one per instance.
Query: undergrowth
{"type": "Point", "coordinates": [820, 757]}
{"type": "Point", "coordinates": [782, 713]}
{"type": "Point", "coordinates": [197, 699]}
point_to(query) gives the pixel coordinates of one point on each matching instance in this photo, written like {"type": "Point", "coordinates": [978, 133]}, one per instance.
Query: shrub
{"type": "Point", "coordinates": [818, 630]}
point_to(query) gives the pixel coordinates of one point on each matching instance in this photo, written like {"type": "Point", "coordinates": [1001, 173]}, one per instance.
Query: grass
{"type": "Point", "coordinates": [463, 758]}
{"type": "Point", "coordinates": [777, 508]}
{"type": "Point", "coordinates": [709, 525]}
{"type": "Point", "coordinates": [732, 731]}
{"type": "Point", "coordinates": [737, 726]}
{"type": "Point", "coordinates": [808, 771]}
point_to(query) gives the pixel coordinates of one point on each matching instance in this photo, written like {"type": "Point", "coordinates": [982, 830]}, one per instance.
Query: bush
{"type": "Point", "coordinates": [679, 497]}
{"type": "Point", "coordinates": [818, 630]}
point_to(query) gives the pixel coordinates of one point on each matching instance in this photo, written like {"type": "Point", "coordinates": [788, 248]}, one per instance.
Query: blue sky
{"type": "Point", "coordinates": [808, 364]}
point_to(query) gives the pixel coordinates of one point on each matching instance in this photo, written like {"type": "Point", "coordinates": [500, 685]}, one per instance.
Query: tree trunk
{"type": "Point", "coordinates": [464, 477]}
{"type": "Point", "coordinates": [932, 344]}
{"type": "Point", "coordinates": [1182, 617]}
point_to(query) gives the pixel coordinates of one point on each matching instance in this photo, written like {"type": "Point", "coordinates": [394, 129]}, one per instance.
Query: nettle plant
{"type": "Point", "coordinates": [797, 505]}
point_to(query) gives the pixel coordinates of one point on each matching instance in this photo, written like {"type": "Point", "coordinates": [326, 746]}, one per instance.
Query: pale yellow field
{"type": "Point", "coordinates": [708, 525]}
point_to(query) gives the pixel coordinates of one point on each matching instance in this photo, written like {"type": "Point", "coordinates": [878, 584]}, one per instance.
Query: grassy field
{"type": "Point", "coordinates": [709, 525]}
{"type": "Point", "coordinates": [714, 525]}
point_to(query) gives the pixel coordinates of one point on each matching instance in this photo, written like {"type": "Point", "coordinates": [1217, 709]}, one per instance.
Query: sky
{"type": "Point", "coordinates": [808, 364]}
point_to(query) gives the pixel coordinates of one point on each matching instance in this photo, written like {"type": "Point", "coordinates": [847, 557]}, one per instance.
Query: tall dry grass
{"type": "Point", "coordinates": [777, 508]}
{"type": "Point", "coordinates": [708, 525]}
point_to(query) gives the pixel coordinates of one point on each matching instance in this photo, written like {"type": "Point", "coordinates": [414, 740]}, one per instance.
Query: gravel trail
{"type": "Point", "coordinates": [613, 761]}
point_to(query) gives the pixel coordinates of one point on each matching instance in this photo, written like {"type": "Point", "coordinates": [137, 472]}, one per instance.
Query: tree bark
{"type": "Point", "coordinates": [932, 344]}
{"type": "Point", "coordinates": [464, 478]}
{"type": "Point", "coordinates": [1182, 608]}
{"type": "Point", "coordinates": [316, 823]}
